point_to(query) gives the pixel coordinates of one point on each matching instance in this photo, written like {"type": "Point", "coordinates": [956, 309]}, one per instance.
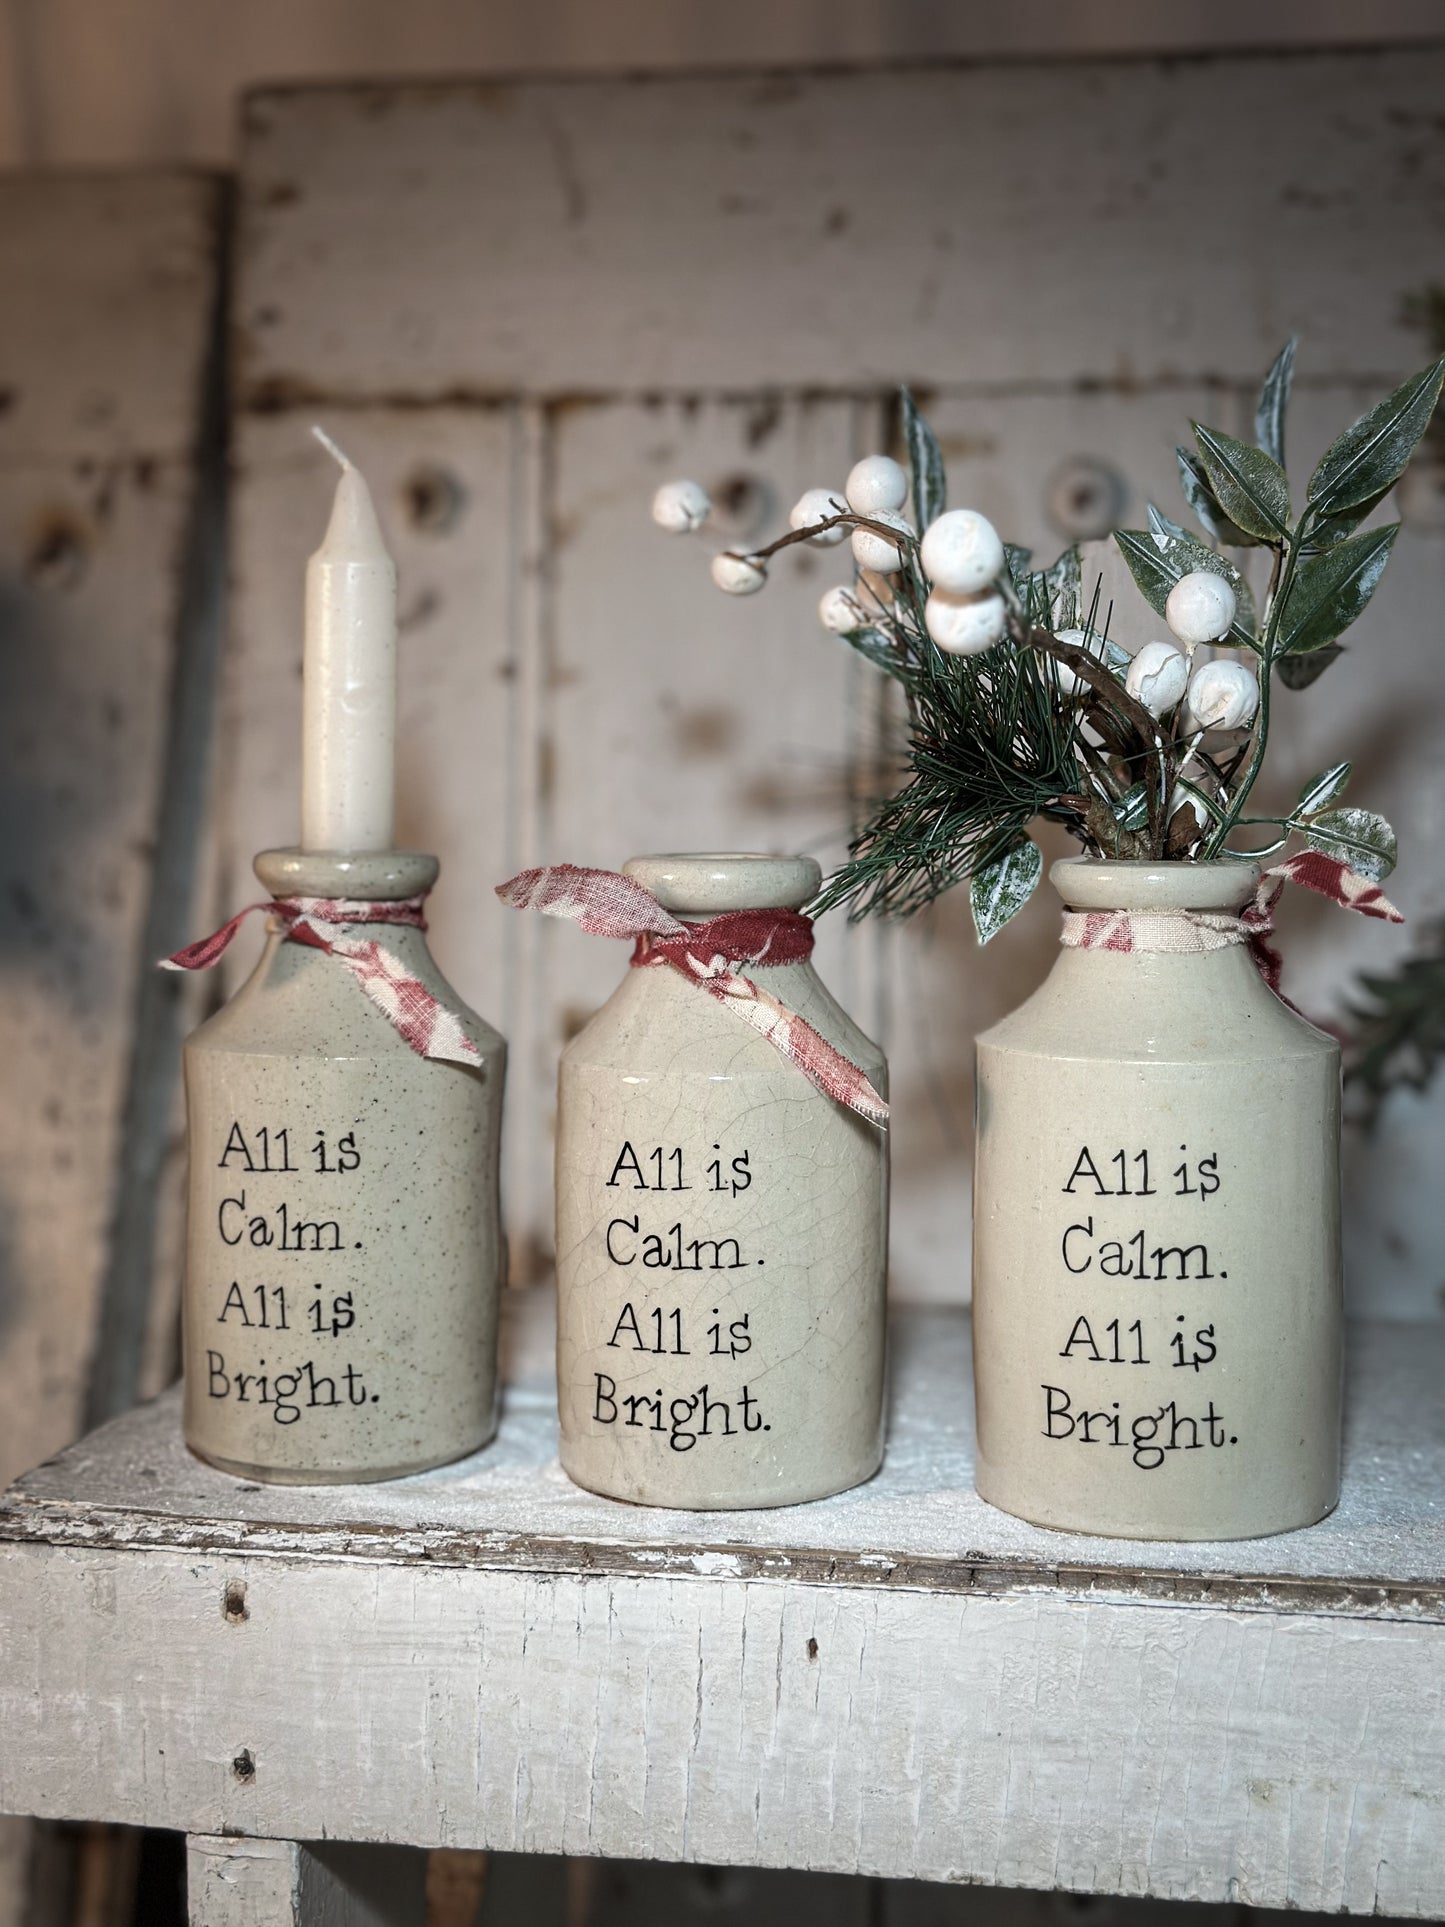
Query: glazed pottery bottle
{"type": "Point", "coordinates": [1157, 1290]}
{"type": "Point", "coordinates": [343, 1252]}
{"type": "Point", "coordinates": [721, 1231]}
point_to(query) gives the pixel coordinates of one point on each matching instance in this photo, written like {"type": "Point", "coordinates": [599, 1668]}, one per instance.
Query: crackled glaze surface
{"type": "Point", "coordinates": [721, 1234]}
{"type": "Point", "coordinates": [1157, 1291]}
{"type": "Point", "coordinates": [343, 1249]}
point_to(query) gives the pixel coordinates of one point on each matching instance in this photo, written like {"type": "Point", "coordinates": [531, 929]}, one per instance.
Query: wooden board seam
{"type": "Point", "coordinates": [77, 1528]}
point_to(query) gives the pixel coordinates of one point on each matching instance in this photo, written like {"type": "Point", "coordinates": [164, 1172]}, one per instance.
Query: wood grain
{"type": "Point", "coordinates": [898, 1681]}
{"type": "Point", "coordinates": [282, 1883]}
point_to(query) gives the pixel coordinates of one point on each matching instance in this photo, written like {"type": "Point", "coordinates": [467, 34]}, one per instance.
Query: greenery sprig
{"type": "Point", "coordinates": [1019, 704]}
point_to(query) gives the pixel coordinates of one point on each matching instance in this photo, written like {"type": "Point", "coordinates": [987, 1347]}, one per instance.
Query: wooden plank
{"type": "Point", "coordinates": [285, 1883]}
{"type": "Point", "coordinates": [109, 568]}
{"type": "Point", "coordinates": [102, 354]}
{"type": "Point", "coordinates": [110, 279]}
{"type": "Point", "coordinates": [899, 1681]}
{"type": "Point", "coordinates": [1009, 226]}
{"type": "Point", "coordinates": [1018, 1739]}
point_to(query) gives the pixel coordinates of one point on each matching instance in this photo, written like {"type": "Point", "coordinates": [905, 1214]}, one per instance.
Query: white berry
{"type": "Point", "coordinates": [681, 507]}
{"type": "Point", "coordinates": [738, 574]}
{"type": "Point", "coordinates": [1222, 695]}
{"type": "Point", "coordinates": [1158, 676]}
{"type": "Point", "coordinates": [840, 610]}
{"type": "Point", "coordinates": [818, 505]}
{"type": "Point", "coordinates": [877, 552]}
{"type": "Point", "coordinates": [1200, 608]}
{"type": "Point", "coordinates": [874, 484]}
{"type": "Point", "coordinates": [961, 553]}
{"type": "Point", "coordinates": [965, 625]}
{"type": "Point", "coordinates": [1071, 684]}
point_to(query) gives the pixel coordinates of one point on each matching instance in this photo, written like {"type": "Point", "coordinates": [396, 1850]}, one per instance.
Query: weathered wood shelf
{"type": "Point", "coordinates": [900, 1680]}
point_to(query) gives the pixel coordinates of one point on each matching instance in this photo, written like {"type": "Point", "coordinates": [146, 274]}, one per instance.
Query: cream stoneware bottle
{"type": "Point", "coordinates": [1157, 1287]}
{"type": "Point", "coordinates": [721, 1231]}
{"type": "Point", "coordinates": [343, 1251]}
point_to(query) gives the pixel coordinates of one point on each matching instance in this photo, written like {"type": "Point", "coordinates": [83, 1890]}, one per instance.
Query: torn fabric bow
{"type": "Point", "coordinates": [325, 923]}
{"type": "Point", "coordinates": [713, 955]}
{"type": "Point", "coordinates": [1192, 932]}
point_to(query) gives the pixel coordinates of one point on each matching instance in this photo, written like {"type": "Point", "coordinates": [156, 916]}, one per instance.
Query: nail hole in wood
{"type": "Point", "coordinates": [434, 499]}
{"type": "Point", "coordinates": [233, 1603]}
{"type": "Point", "coordinates": [741, 505]}
{"type": "Point", "coordinates": [244, 1767]}
{"type": "Point", "coordinates": [1085, 498]}
{"type": "Point", "coordinates": [55, 554]}
{"type": "Point", "coordinates": [812, 1649]}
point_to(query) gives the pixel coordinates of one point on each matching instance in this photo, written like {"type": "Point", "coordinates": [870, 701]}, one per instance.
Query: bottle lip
{"type": "Point", "coordinates": [371, 876]}
{"type": "Point", "coordinates": [1093, 883]}
{"type": "Point", "coordinates": [704, 883]}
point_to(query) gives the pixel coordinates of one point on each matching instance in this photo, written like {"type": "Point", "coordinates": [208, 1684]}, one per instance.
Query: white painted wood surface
{"type": "Point", "coordinates": [283, 1883]}
{"type": "Point", "coordinates": [575, 289]}
{"type": "Point", "coordinates": [104, 336]}
{"type": "Point", "coordinates": [105, 332]}
{"type": "Point", "coordinates": [897, 1681]}
{"type": "Point", "coordinates": [705, 232]}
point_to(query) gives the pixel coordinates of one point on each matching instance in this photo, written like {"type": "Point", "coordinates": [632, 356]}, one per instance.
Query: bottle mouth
{"type": "Point", "coordinates": [1093, 883]}
{"type": "Point", "coordinates": [705, 883]}
{"type": "Point", "coordinates": [373, 876]}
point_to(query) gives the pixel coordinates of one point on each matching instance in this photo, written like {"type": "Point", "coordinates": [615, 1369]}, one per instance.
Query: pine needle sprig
{"type": "Point", "coordinates": [988, 750]}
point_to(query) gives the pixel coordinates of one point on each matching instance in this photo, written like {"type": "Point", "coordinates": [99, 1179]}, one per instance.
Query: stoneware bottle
{"type": "Point", "coordinates": [1157, 1289]}
{"type": "Point", "coordinates": [343, 1250]}
{"type": "Point", "coordinates": [721, 1232]}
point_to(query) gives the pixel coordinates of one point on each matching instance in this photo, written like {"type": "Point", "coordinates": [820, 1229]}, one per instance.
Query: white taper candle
{"type": "Point", "coordinates": [348, 754]}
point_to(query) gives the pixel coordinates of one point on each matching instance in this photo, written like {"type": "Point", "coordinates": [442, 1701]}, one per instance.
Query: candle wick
{"type": "Point", "coordinates": [326, 442]}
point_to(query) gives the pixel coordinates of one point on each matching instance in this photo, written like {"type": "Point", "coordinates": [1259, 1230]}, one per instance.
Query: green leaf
{"type": "Point", "coordinates": [1000, 890]}
{"type": "Point", "coordinates": [1249, 485]}
{"type": "Point", "coordinates": [1115, 658]}
{"type": "Point", "coordinates": [1064, 585]}
{"type": "Point", "coordinates": [1298, 672]}
{"type": "Point", "coordinates": [1273, 401]}
{"type": "Point", "coordinates": [1201, 498]}
{"type": "Point", "coordinates": [1358, 838]}
{"type": "Point", "coordinates": [1212, 810]}
{"type": "Point", "coordinates": [1161, 528]}
{"type": "Point", "coordinates": [1157, 569]}
{"type": "Point", "coordinates": [1326, 530]}
{"type": "Point", "coordinates": [1050, 597]}
{"type": "Point", "coordinates": [1132, 809]}
{"type": "Point", "coordinates": [881, 651]}
{"type": "Point", "coordinates": [925, 460]}
{"type": "Point", "coordinates": [1329, 591]}
{"type": "Point", "coordinates": [1322, 789]}
{"type": "Point", "coordinates": [1374, 452]}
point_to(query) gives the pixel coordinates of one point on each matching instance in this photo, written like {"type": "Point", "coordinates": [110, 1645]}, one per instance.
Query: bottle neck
{"type": "Point", "coordinates": [368, 876]}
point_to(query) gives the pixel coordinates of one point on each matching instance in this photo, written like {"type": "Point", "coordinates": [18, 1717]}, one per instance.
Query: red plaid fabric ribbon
{"type": "Point", "coordinates": [325, 924]}
{"type": "Point", "coordinates": [1192, 932]}
{"type": "Point", "coordinates": [611, 905]}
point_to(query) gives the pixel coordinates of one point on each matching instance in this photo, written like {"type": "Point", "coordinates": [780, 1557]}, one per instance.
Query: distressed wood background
{"type": "Point", "coordinates": [523, 306]}
{"type": "Point", "coordinates": [110, 601]}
